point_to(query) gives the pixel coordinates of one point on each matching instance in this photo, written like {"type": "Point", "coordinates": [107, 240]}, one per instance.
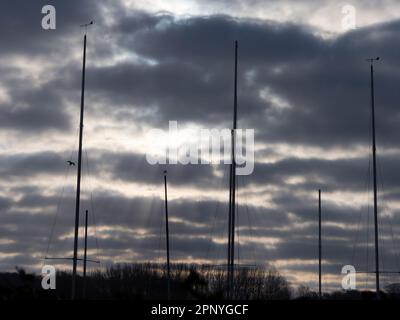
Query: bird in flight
{"type": "Point", "coordinates": [71, 163]}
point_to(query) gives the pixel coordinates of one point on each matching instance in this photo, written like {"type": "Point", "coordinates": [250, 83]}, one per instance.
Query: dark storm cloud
{"type": "Point", "coordinates": [34, 110]}
{"type": "Point", "coordinates": [21, 28]}
{"type": "Point", "coordinates": [4, 203]}
{"type": "Point", "coordinates": [350, 174]}
{"type": "Point", "coordinates": [346, 174]}
{"type": "Point", "coordinates": [178, 91]}
{"type": "Point", "coordinates": [329, 175]}
{"type": "Point", "coordinates": [209, 40]}
{"type": "Point", "coordinates": [122, 166]}
{"type": "Point", "coordinates": [32, 107]}
{"type": "Point", "coordinates": [325, 81]}
{"type": "Point", "coordinates": [192, 80]}
{"type": "Point", "coordinates": [30, 165]}
{"type": "Point", "coordinates": [131, 167]}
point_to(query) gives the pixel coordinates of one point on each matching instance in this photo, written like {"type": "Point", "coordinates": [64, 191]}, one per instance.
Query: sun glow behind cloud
{"type": "Point", "coordinates": [326, 16]}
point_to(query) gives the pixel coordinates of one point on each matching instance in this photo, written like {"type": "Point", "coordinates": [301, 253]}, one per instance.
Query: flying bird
{"type": "Point", "coordinates": [71, 163]}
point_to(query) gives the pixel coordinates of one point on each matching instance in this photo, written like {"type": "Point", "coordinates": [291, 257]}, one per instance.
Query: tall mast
{"type": "Point", "coordinates": [85, 256]}
{"type": "Point", "coordinates": [374, 174]}
{"type": "Point", "coordinates": [228, 265]}
{"type": "Point", "coordinates": [319, 246]}
{"type": "Point", "coordinates": [78, 180]}
{"type": "Point", "coordinates": [232, 191]}
{"type": "Point", "coordinates": [167, 235]}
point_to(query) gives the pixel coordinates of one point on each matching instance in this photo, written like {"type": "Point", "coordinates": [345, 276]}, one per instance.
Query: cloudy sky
{"type": "Point", "coordinates": [303, 86]}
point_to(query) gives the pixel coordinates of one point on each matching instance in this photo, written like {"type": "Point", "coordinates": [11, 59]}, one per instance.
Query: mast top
{"type": "Point", "coordinates": [85, 25]}
{"type": "Point", "coordinates": [371, 60]}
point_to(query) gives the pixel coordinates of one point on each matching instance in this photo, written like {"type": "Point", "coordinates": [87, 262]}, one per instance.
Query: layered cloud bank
{"type": "Point", "coordinates": [306, 96]}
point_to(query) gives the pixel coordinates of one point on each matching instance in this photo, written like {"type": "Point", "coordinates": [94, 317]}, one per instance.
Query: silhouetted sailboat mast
{"type": "Point", "coordinates": [232, 185]}
{"type": "Point", "coordinates": [167, 235]}
{"type": "Point", "coordinates": [85, 256]}
{"type": "Point", "coordinates": [319, 245]}
{"type": "Point", "coordinates": [78, 179]}
{"type": "Point", "coordinates": [374, 175]}
{"type": "Point", "coordinates": [375, 183]}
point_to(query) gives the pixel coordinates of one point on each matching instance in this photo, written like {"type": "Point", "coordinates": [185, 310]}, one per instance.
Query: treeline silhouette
{"type": "Point", "coordinates": [149, 281]}
{"type": "Point", "coordinates": [188, 282]}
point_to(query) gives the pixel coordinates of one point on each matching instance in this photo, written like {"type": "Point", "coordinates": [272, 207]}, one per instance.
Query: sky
{"type": "Point", "coordinates": [303, 86]}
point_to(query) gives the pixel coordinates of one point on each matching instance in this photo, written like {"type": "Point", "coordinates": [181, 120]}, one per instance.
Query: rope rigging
{"type": "Point", "coordinates": [92, 215]}
{"type": "Point", "coordinates": [385, 255]}
{"type": "Point", "coordinates": [59, 200]}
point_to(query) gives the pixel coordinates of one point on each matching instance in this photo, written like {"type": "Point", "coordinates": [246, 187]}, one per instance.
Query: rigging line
{"type": "Point", "coordinates": [382, 246]}
{"type": "Point", "coordinates": [212, 230]}
{"type": "Point", "coordinates": [87, 175]}
{"type": "Point", "coordinates": [359, 223]}
{"type": "Point", "coordinates": [151, 215]}
{"type": "Point", "coordinates": [223, 233]}
{"type": "Point", "coordinates": [396, 250]}
{"type": "Point", "coordinates": [368, 200]}
{"type": "Point", "coordinates": [380, 222]}
{"type": "Point", "coordinates": [256, 218]}
{"type": "Point", "coordinates": [386, 207]}
{"type": "Point", "coordinates": [153, 207]}
{"type": "Point", "coordinates": [92, 207]}
{"type": "Point", "coordinates": [57, 212]}
{"type": "Point", "coordinates": [156, 239]}
{"type": "Point", "coordinates": [381, 207]}
{"type": "Point", "coordinates": [367, 229]}
{"type": "Point", "coordinates": [367, 266]}
{"type": "Point", "coordinates": [250, 224]}
{"type": "Point", "coordinates": [160, 235]}
{"type": "Point", "coordinates": [251, 231]}
{"type": "Point", "coordinates": [94, 226]}
{"type": "Point", "coordinates": [59, 201]}
{"type": "Point", "coordinates": [215, 215]}
{"type": "Point", "coordinates": [82, 208]}
{"type": "Point", "coordinates": [394, 247]}
{"type": "Point", "coordinates": [237, 222]}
